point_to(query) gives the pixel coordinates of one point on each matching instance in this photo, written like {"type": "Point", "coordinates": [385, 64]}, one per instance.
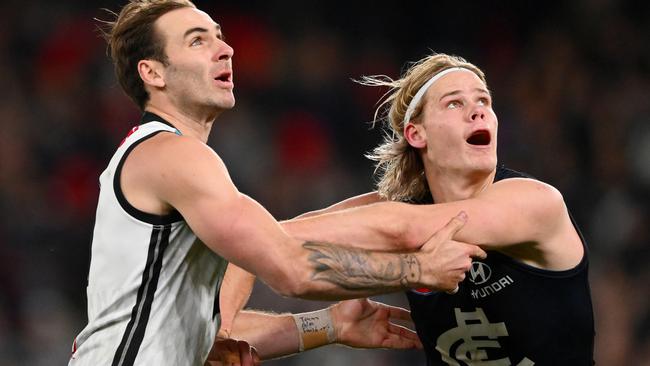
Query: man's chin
{"type": "Point", "coordinates": [230, 103]}
{"type": "Point", "coordinates": [224, 105]}
{"type": "Point", "coordinates": [484, 167]}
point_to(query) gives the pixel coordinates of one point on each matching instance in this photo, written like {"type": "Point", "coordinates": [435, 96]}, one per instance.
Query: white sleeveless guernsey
{"type": "Point", "coordinates": [153, 287]}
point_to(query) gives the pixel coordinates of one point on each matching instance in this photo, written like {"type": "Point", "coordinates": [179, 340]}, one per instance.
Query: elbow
{"type": "Point", "coordinates": [287, 289]}
{"type": "Point", "coordinates": [412, 236]}
{"type": "Point", "coordinates": [288, 282]}
{"type": "Point", "coordinates": [403, 230]}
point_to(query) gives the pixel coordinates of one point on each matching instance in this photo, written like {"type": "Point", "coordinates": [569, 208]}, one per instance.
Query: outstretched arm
{"type": "Point", "coordinates": [504, 216]}
{"type": "Point", "coordinates": [359, 323]}
{"type": "Point", "coordinates": [243, 232]}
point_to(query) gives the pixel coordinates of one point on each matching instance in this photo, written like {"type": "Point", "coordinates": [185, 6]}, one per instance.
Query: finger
{"type": "Point", "coordinates": [453, 226]}
{"type": "Point", "coordinates": [402, 332]}
{"type": "Point", "coordinates": [256, 357]}
{"type": "Point", "coordinates": [245, 353]}
{"type": "Point", "coordinates": [398, 343]}
{"type": "Point", "coordinates": [231, 356]}
{"type": "Point", "coordinates": [477, 252]}
{"type": "Point", "coordinates": [454, 291]}
{"type": "Point", "coordinates": [398, 313]}
{"type": "Point", "coordinates": [232, 359]}
{"type": "Point", "coordinates": [220, 348]}
{"type": "Point", "coordinates": [223, 332]}
{"type": "Point", "coordinates": [402, 342]}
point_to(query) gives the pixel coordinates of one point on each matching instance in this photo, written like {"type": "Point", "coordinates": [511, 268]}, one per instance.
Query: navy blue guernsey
{"type": "Point", "coordinates": [508, 313]}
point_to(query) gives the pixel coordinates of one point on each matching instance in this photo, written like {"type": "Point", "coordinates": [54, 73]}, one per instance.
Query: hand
{"type": "Point", "coordinates": [363, 323]}
{"type": "Point", "coordinates": [231, 352]}
{"type": "Point", "coordinates": [443, 260]}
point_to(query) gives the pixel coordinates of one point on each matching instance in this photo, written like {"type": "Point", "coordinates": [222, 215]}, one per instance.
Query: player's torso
{"type": "Point", "coordinates": [508, 313]}
{"type": "Point", "coordinates": [508, 316]}
{"type": "Point", "coordinates": [152, 286]}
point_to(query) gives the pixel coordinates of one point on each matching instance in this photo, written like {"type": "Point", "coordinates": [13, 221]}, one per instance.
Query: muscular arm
{"type": "Point", "coordinates": [358, 323]}
{"type": "Point", "coordinates": [243, 232]}
{"type": "Point", "coordinates": [522, 215]}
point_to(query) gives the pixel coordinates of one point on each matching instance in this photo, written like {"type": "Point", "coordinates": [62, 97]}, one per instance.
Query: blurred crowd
{"type": "Point", "coordinates": [571, 87]}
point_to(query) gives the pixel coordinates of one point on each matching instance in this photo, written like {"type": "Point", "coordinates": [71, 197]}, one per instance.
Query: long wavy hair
{"type": "Point", "coordinates": [399, 167]}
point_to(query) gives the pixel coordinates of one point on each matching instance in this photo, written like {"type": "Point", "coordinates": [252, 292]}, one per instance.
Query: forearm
{"type": "Point", "coordinates": [277, 335]}
{"type": "Point", "coordinates": [273, 335]}
{"type": "Point", "coordinates": [309, 269]}
{"type": "Point", "coordinates": [332, 272]}
{"type": "Point", "coordinates": [397, 226]}
{"type": "Point", "coordinates": [235, 290]}
{"type": "Point", "coordinates": [325, 271]}
{"type": "Point", "coordinates": [377, 226]}
{"type": "Point", "coordinates": [509, 212]}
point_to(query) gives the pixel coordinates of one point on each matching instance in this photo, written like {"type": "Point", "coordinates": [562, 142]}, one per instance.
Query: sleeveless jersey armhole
{"type": "Point", "coordinates": [172, 217]}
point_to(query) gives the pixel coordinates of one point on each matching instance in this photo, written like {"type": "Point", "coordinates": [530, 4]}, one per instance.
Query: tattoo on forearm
{"type": "Point", "coordinates": [358, 269]}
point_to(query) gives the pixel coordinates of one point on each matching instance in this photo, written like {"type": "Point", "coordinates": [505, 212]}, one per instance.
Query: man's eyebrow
{"type": "Point", "coordinates": [456, 92]}
{"type": "Point", "coordinates": [195, 29]}
{"type": "Point", "coordinates": [201, 30]}
{"type": "Point", "coordinates": [453, 92]}
{"type": "Point", "coordinates": [483, 90]}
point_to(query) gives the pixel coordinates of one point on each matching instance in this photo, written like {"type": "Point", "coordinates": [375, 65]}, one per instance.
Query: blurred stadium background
{"type": "Point", "coordinates": [571, 82]}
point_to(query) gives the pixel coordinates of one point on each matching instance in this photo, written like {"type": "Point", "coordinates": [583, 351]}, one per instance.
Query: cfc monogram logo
{"type": "Point", "coordinates": [479, 273]}
{"type": "Point", "coordinates": [469, 341]}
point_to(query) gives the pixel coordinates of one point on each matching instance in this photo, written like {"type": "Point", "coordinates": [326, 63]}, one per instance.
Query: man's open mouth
{"type": "Point", "coordinates": [479, 138]}
{"type": "Point", "coordinates": [225, 76]}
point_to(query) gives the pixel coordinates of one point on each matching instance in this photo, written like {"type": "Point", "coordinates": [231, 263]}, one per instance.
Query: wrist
{"type": "Point", "coordinates": [315, 329]}
{"type": "Point", "coordinates": [337, 327]}
{"type": "Point", "coordinates": [413, 277]}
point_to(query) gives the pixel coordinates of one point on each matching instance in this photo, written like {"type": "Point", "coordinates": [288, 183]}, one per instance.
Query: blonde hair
{"type": "Point", "coordinates": [398, 165]}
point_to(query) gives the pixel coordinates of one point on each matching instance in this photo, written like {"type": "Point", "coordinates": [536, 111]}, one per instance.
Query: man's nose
{"type": "Point", "coordinates": [477, 114]}
{"type": "Point", "coordinates": [223, 51]}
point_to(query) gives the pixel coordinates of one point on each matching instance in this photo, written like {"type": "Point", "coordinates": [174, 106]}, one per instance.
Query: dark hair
{"type": "Point", "coordinates": [132, 37]}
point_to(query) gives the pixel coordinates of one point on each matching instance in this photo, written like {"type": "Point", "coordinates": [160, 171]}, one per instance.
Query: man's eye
{"type": "Point", "coordinates": [454, 104]}
{"type": "Point", "coordinates": [196, 42]}
{"type": "Point", "coordinates": [484, 101]}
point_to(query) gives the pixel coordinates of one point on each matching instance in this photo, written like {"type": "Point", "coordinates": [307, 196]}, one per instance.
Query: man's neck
{"type": "Point", "coordinates": [446, 186]}
{"type": "Point", "coordinates": [196, 125]}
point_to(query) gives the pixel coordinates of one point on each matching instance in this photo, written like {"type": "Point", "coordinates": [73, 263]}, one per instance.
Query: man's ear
{"type": "Point", "coordinates": [415, 135]}
{"type": "Point", "coordinates": [151, 73]}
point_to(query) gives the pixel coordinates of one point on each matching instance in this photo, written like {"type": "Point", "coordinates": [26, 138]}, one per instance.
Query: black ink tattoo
{"type": "Point", "coordinates": [358, 269]}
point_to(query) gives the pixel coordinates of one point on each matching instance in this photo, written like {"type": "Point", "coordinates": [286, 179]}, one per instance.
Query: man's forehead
{"type": "Point", "coordinates": [176, 22]}
{"type": "Point", "coordinates": [459, 81]}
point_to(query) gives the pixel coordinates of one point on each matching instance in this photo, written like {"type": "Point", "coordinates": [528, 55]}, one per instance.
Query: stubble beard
{"type": "Point", "coordinates": [193, 92]}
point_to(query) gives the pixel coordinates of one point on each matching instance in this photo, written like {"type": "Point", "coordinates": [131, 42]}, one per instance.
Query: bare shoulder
{"type": "Point", "coordinates": [168, 155]}
{"type": "Point", "coordinates": [527, 185]}
{"type": "Point", "coordinates": [542, 206]}
{"type": "Point", "coordinates": [537, 197]}
{"type": "Point", "coordinates": [171, 167]}
{"type": "Point", "coordinates": [172, 150]}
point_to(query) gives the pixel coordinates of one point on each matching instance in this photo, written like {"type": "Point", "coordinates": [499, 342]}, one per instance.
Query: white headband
{"type": "Point", "coordinates": [423, 89]}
